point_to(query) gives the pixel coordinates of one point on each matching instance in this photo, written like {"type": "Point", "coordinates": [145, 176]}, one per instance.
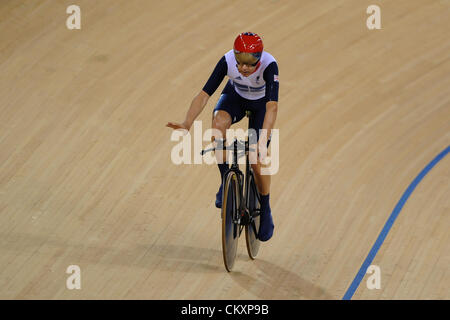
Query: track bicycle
{"type": "Point", "coordinates": [240, 203]}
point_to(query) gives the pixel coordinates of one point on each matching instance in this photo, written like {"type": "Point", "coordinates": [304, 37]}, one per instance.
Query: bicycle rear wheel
{"type": "Point", "coordinates": [230, 227]}
{"type": "Point", "coordinates": [251, 229]}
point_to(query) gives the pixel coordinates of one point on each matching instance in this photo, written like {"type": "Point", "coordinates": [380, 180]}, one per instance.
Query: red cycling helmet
{"type": "Point", "coordinates": [248, 48]}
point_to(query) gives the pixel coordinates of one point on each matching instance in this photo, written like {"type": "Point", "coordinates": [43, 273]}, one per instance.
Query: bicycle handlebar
{"type": "Point", "coordinates": [241, 146]}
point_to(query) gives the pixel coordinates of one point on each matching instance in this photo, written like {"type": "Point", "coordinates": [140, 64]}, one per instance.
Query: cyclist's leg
{"type": "Point", "coordinates": [220, 123]}
{"type": "Point", "coordinates": [227, 111]}
{"type": "Point", "coordinates": [258, 109]}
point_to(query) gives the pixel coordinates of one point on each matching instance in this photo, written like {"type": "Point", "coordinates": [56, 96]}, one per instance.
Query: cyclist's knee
{"type": "Point", "coordinates": [221, 120]}
{"type": "Point", "coordinates": [220, 123]}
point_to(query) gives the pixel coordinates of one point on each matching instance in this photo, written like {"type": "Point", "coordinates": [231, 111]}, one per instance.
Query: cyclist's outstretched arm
{"type": "Point", "coordinates": [197, 105]}
{"type": "Point", "coordinates": [201, 99]}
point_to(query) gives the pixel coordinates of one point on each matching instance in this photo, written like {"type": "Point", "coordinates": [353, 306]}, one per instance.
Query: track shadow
{"type": "Point", "coordinates": [271, 281]}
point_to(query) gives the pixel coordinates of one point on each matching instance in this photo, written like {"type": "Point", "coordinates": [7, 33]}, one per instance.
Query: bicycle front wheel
{"type": "Point", "coordinates": [230, 226]}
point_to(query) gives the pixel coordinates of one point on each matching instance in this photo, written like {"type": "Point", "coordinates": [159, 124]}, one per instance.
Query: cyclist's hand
{"type": "Point", "coordinates": [177, 126]}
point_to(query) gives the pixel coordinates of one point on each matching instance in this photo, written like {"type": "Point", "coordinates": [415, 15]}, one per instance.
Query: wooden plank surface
{"type": "Point", "coordinates": [86, 176]}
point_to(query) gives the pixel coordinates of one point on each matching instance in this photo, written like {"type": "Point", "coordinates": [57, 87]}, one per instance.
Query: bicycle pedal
{"type": "Point", "coordinates": [256, 213]}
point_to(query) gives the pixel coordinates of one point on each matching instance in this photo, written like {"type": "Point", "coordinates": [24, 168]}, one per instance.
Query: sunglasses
{"type": "Point", "coordinates": [248, 64]}
{"type": "Point", "coordinates": [257, 56]}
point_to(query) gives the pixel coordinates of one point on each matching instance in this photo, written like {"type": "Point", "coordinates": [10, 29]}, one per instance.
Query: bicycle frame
{"type": "Point", "coordinates": [240, 214]}
{"type": "Point", "coordinates": [244, 217]}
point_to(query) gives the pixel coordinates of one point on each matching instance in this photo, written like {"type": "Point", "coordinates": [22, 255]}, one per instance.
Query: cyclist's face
{"type": "Point", "coordinates": [246, 69]}
{"type": "Point", "coordinates": [246, 64]}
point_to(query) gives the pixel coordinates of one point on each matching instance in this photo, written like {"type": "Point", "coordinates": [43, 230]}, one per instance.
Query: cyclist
{"type": "Point", "coordinates": [253, 85]}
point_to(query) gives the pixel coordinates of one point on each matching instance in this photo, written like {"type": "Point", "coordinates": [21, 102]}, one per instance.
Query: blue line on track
{"type": "Point", "coordinates": [362, 271]}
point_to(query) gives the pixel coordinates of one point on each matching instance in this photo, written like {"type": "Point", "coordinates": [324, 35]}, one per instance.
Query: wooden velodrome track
{"type": "Point", "coordinates": [86, 176]}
